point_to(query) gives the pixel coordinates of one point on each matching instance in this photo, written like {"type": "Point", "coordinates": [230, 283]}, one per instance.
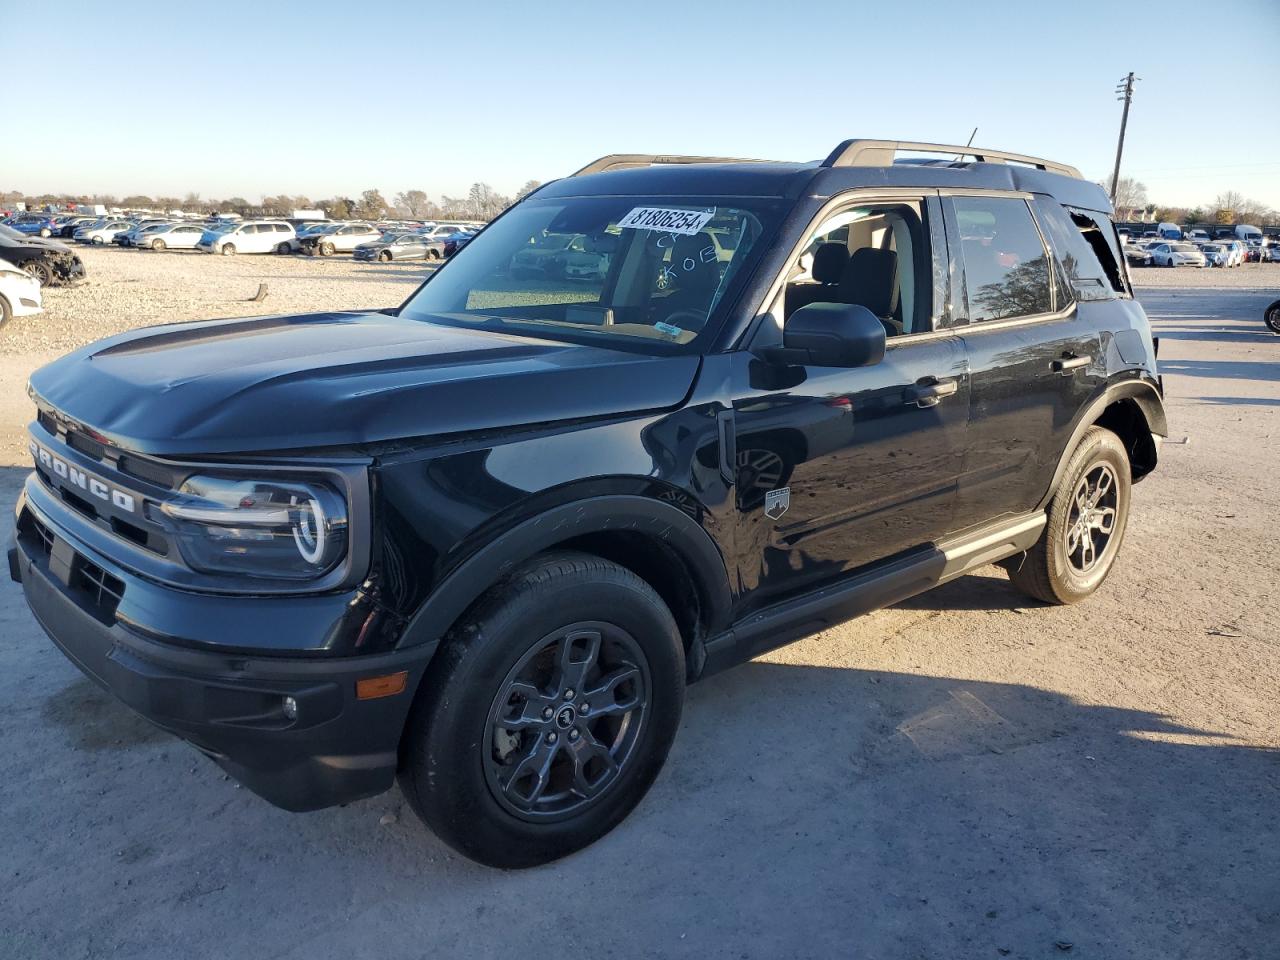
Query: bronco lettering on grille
{"type": "Point", "coordinates": [85, 481]}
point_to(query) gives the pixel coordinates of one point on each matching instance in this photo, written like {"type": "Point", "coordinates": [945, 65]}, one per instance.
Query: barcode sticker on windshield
{"type": "Point", "coordinates": [666, 219]}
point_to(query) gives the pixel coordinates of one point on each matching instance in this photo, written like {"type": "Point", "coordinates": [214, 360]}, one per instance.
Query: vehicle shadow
{"type": "Point", "coordinates": [985, 589]}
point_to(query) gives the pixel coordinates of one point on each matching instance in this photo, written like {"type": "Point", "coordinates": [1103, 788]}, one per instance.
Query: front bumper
{"type": "Point", "coordinates": [336, 748]}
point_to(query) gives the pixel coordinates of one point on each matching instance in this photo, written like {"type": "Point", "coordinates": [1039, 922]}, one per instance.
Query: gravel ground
{"type": "Point", "coordinates": [963, 775]}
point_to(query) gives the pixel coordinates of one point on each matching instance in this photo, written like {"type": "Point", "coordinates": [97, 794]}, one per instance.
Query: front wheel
{"type": "Point", "coordinates": [283, 248]}
{"type": "Point", "coordinates": [157, 244]}
{"type": "Point", "coordinates": [385, 256]}
{"type": "Point", "coordinates": [228, 250]}
{"type": "Point", "coordinates": [1086, 524]}
{"type": "Point", "coordinates": [40, 270]}
{"type": "Point", "coordinates": [327, 249]}
{"type": "Point", "coordinates": [547, 713]}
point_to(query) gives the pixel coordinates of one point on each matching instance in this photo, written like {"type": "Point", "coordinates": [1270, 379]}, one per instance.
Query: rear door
{"type": "Point", "coordinates": [838, 468]}
{"type": "Point", "coordinates": [1034, 359]}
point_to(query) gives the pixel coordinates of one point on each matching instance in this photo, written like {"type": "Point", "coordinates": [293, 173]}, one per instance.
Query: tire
{"type": "Point", "coordinates": [1053, 570]}
{"type": "Point", "coordinates": [326, 249]}
{"type": "Point", "coordinates": [228, 250]}
{"type": "Point", "coordinates": [477, 783]}
{"type": "Point", "coordinates": [1272, 317]}
{"type": "Point", "coordinates": [6, 312]}
{"type": "Point", "coordinates": [46, 232]}
{"type": "Point", "coordinates": [283, 249]}
{"type": "Point", "coordinates": [40, 270]}
{"type": "Point", "coordinates": [433, 254]}
{"type": "Point", "coordinates": [385, 256]}
{"type": "Point", "coordinates": [157, 244]}
{"type": "Point", "coordinates": [97, 240]}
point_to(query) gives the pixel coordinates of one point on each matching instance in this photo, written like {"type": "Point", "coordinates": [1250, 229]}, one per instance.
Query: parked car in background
{"type": "Point", "coordinates": [35, 225]}
{"type": "Point", "coordinates": [47, 260]}
{"type": "Point", "coordinates": [393, 246]}
{"type": "Point", "coordinates": [1137, 255]}
{"type": "Point", "coordinates": [132, 236]}
{"type": "Point", "coordinates": [19, 293]}
{"type": "Point", "coordinates": [1215, 254]}
{"type": "Point", "coordinates": [309, 230]}
{"type": "Point", "coordinates": [1235, 252]}
{"type": "Point", "coordinates": [100, 231]}
{"type": "Point", "coordinates": [68, 226]}
{"type": "Point", "coordinates": [439, 231]}
{"type": "Point", "coordinates": [344, 239]}
{"type": "Point", "coordinates": [1176, 254]}
{"type": "Point", "coordinates": [251, 236]}
{"type": "Point", "coordinates": [1195, 236]}
{"type": "Point", "coordinates": [172, 236]}
{"type": "Point", "coordinates": [452, 244]}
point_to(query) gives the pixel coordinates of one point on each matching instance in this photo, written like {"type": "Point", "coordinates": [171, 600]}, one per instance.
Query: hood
{"type": "Point", "coordinates": [340, 379]}
{"type": "Point", "coordinates": [44, 242]}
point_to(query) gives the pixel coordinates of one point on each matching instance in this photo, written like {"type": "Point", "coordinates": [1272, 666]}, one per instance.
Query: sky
{"type": "Point", "coordinates": [235, 98]}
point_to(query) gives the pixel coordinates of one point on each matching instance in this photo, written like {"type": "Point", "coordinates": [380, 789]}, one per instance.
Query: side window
{"type": "Point", "coordinates": [1005, 262]}
{"type": "Point", "coordinates": [1086, 275]}
{"type": "Point", "coordinates": [873, 254]}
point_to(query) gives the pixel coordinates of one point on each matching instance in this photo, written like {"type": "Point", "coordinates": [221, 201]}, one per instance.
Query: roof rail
{"type": "Point", "coordinates": [621, 161]}
{"type": "Point", "coordinates": [880, 153]}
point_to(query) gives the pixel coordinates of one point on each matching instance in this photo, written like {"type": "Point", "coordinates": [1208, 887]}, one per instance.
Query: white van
{"type": "Point", "coordinates": [252, 236]}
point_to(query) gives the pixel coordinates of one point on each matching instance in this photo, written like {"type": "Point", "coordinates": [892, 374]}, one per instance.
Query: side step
{"type": "Point", "coordinates": [880, 585]}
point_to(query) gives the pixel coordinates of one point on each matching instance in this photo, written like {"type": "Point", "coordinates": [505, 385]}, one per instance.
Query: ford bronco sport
{"type": "Point", "coordinates": [482, 541]}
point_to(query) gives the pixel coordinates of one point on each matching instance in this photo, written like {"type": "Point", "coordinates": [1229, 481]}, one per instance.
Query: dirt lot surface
{"type": "Point", "coordinates": [966, 774]}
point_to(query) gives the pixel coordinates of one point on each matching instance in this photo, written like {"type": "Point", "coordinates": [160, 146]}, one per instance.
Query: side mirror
{"type": "Point", "coordinates": [832, 335]}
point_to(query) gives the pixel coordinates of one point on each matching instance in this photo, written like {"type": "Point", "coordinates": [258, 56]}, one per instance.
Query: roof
{"type": "Point", "coordinates": [853, 164]}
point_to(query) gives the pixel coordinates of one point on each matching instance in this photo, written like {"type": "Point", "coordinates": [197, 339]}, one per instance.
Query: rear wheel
{"type": "Point", "coordinates": [433, 254]}
{"type": "Point", "coordinates": [40, 270]}
{"type": "Point", "coordinates": [1086, 524]}
{"type": "Point", "coordinates": [1272, 317]}
{"type": "Point", "coordinates": [547, 713]}
{"type": "Point", "coordinates": [6, 311]}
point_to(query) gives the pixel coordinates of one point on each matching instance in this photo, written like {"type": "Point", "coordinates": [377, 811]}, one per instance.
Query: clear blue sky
{"type": "Point", "coordinates": [253, 98]}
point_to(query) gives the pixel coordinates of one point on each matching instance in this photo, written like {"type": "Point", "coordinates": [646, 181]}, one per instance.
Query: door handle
{"type": "Point", "coordinates": [1065, 365]}
{"type": "Point", "coordinates": [930, 391]}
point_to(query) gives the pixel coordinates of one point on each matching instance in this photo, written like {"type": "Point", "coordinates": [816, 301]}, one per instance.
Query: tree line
{"type": "Point", "coordinates": [481, 202]}
{"type": "Point", "coordinates": [1133, 203]}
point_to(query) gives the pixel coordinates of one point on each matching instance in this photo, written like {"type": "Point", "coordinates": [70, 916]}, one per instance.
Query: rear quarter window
{"type": "Point", "coordinates": [1080, 240]}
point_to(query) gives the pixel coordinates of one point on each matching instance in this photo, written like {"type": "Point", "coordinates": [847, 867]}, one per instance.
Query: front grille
{"type": "Point", "coordinates": [98, 590]}
{"type": "Point", "coordinates": [101, 588]}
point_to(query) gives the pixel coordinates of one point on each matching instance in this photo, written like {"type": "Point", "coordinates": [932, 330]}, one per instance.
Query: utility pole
{"type": "Point", "coordinates": [1124, 91]}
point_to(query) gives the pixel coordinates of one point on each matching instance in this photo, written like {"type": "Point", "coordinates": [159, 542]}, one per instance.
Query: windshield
{"type": "Point", "coordinates": [1183, 247]}
{"type": "Point", "coordinates": [661, 267]}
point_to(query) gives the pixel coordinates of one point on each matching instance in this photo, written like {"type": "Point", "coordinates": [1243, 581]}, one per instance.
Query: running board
{"type": "Point", "coordinates": [882, 585]}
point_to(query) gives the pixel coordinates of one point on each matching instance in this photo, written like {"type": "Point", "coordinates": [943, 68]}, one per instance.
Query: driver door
{"type": "Point", "coordinates": [839, 468]}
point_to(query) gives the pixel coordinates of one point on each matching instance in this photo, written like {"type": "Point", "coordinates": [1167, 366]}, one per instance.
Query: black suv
{"type": "Point", "coordinates": [484, 540]}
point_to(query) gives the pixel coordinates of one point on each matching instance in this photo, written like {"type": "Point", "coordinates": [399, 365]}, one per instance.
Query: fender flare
{"type": "Point", "coordinates": [465, 584]}
{"type": "Point", "coordinates": [1142, 392]}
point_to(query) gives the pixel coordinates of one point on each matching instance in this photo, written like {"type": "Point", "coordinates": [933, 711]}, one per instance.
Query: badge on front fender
{"type": "Point", "coordinates": [776, 502]}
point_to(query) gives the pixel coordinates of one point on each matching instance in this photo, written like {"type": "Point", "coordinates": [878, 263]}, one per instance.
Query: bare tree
{"type": "Point", "coordinates": [484, 203]}
{"type": "Point", "coordinates": [1131, 195]}
{"type": "Point", "coordinates": [528, 188]}
{"type": "Point", "coordinates": [415, 202]}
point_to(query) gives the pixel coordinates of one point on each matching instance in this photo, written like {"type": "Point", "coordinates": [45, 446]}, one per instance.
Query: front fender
{"type": "Point", "coordinates": [457, 591]}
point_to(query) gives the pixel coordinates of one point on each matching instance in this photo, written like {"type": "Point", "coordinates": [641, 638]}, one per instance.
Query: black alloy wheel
{"type": "Point", "coordinates": [566, 719]}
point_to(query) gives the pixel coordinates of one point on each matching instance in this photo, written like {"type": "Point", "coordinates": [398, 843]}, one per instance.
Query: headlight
{"type": "Point", "coordinates": [281, 529]}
